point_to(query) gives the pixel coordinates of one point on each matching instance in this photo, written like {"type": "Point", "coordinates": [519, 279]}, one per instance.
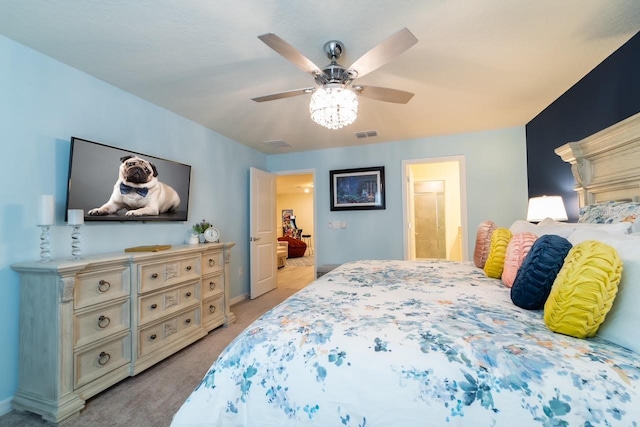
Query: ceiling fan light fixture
{"type": "Point", "coordinates": [333, 106]}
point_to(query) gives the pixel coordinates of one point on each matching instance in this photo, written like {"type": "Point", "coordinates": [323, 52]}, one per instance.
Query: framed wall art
{"type": "Point", "coordinates": [357, 189]}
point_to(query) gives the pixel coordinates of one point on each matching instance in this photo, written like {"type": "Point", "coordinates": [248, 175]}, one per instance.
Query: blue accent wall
{"type": "Point", "coordinates": [608, 94]}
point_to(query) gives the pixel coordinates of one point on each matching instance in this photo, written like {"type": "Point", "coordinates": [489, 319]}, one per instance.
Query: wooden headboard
{"type": "Point", "coordinates": [606, 165]}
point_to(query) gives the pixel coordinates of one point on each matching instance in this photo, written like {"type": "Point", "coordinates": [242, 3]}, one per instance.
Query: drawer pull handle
{"type": "Point", "coordinates": [187, 321]}
{"type": "Point", "coordinates": [103, 322]}
{"type": "Point", "coordinates": [212, 308]}
{"type": "Point", "coordinates": [188, 294]}
{"type": "Point", "coordinates": [103, 358]}
{"type": "Point", "coordinates": [154, 276]}
{"type": "Point", "coordinates": [212, 285]}
{"type": "Point", "coordinates": [154, 306]}
{"type": "Point", "coordinates": [188, 268]}
{"type": "Point", "coordinates": [153, 337]}
{"type": "Point", "coordinates": [103, 286]}
{"type": "Point", "coordinates": [212, 262]}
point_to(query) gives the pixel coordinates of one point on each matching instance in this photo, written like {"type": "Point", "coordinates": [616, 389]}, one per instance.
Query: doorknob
{"type": "Point", "coordinates": [254, 239]}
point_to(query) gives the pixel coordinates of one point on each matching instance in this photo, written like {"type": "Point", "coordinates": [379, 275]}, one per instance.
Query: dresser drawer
{"type": "Point", "coordinates": [159, 335]}
{"type": "Point", "coordinates": [154, 306]}
{"type": "Point", "coordinates": [92, 325]}
{"type": "Point", "coordinates": [99, 286]}
{"type": "Point", "coordinates": [101, 359]}
{"type": "Point", "coordinates": [212, 285]}
{"type": "Point", "coordinates": [212, 261]}
{"type": "Point", "coordinates": [156, 276]}
{"type": "Point", "coordinates": [213, 310]}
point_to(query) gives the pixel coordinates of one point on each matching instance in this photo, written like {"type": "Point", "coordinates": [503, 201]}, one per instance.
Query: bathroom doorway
{"type": "Point", "coordinates": [434, 200]}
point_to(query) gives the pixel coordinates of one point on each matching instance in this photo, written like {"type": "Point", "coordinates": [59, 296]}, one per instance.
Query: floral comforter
{"type": "Point", "coordinates": [398, 343]}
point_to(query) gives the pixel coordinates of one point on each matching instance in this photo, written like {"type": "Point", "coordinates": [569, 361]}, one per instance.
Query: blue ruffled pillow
{"type": "Point", "coordinates": [538, 271]}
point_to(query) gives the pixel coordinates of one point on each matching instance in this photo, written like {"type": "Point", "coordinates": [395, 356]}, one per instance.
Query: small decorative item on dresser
{"type": "Point", "coordinates": [76, 220]}
{"type": "Point", "coordinates": [45, 221]}
{"type": "Point", "coordinates": [200, 228]}
{"type": "Point", "coordinates": [212, 235]}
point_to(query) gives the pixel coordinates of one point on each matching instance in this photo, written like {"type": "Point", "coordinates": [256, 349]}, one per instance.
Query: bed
{"type": "Point", "coordinates": [399, 343]}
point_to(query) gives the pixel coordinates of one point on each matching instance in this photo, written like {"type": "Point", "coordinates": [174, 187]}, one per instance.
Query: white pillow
{"type": "Point", "coordinates": [621, 324]}
{"type": "Point", "coordinates": [521, 226]}
{"type": "Point", "coordinates": [616, 228]}
{"type": "Point", "coordinates": [549, 221]}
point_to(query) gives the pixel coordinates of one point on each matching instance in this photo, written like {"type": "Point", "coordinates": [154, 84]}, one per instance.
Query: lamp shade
{"type": "Point", "coordinates": [546, 207]}
{"type": "Point", "coordinates": [333, 106]}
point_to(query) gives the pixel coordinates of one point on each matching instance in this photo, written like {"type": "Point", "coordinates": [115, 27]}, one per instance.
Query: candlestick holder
{"type": "Point", "coordinates": [45, 246]}
{"type": "Point", "coordinates": [76, 251]}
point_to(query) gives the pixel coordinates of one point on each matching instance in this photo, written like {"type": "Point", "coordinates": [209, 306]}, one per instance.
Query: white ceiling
{"type": "Point", "coordinates": [294, 184]}
{"type": "Point", "coordinates": [480, 64]}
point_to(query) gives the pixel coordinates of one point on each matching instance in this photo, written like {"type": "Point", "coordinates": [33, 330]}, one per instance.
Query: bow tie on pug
{"type": "Point", "coordinates": [139, 191]}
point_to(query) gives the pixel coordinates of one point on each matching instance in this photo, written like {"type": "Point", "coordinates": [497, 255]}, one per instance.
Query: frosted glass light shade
{"type": "Point", "coordinates": [333, 107]}
{"type": "Point", "coordinates": [546, 207]}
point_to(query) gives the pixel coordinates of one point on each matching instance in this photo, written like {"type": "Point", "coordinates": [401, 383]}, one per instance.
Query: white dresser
{"type": "Point", "coordinates": [86, 325]}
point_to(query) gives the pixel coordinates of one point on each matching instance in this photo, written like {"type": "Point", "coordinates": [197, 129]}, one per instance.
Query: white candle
{"type": "Point", "coordinates": [75, 216]}
{"type": "Point", "coordinates": [45, 209]}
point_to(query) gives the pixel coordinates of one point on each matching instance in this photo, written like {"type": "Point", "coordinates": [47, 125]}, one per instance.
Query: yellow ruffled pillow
{"type": "Point", "coordinates": [584, 290]}
{"type": "Point", "coordinates": [495, 261]}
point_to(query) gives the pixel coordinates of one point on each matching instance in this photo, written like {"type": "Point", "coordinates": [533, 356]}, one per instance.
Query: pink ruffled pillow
{"type": "Point", "coordinates": [483, 243]}
{"type": "Point", "coordinates": [517, 250]}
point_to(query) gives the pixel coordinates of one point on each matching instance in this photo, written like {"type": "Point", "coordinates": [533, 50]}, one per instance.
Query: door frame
{"type": "Point", "coordinates": [314, 234]}
{"type": "Point", "coordinates": [407, 203]}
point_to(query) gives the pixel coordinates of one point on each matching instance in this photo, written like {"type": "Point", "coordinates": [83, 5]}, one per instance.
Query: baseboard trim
{"type": "Point", "coordinates": [238, 299]}
{"type": "Point", "coordinates": [5, 406]}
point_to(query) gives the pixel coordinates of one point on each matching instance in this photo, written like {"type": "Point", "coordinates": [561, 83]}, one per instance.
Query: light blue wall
{"type": "Point", "coordinates": [496, 180]}
{"type": "Point", "coordinates": [42, 104]}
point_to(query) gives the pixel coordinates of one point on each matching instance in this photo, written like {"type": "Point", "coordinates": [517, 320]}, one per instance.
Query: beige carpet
{"type": "Point", "coordinates": [153, 396]}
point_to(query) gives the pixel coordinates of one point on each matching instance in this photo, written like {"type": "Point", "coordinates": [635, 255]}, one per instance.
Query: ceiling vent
{"type": "Point", "coordinates": [277, 144]}
{"type": "Point", "coordinates": [366, 134]}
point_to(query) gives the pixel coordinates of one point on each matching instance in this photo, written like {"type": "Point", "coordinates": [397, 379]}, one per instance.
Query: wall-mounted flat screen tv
{"type": "Point", "coordinates": [113, 184]}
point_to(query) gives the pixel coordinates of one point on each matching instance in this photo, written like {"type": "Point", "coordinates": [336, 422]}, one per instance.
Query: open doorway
{"type": "Point", "coordinates": [434, 199]}
{"type": "Point", "coordinates": [295, 210]}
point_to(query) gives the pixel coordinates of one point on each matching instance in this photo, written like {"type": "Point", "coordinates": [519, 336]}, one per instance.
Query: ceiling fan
{"type": "Point", "coordinates": [336, 81]}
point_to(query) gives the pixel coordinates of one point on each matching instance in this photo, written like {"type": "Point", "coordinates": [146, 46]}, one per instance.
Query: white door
{"type": "Point", "coordinates": [263, 232]}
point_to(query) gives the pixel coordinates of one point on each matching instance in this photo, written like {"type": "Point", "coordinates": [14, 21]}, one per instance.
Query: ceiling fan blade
{"type": "Point", "coordinates": [281, 95]}
{"type": "Point", "coordinates": [384, 94]}
{"type": "Point", "coordinates": [290, 53]}
{"type": "Point", "coordinates": [384, 52]}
